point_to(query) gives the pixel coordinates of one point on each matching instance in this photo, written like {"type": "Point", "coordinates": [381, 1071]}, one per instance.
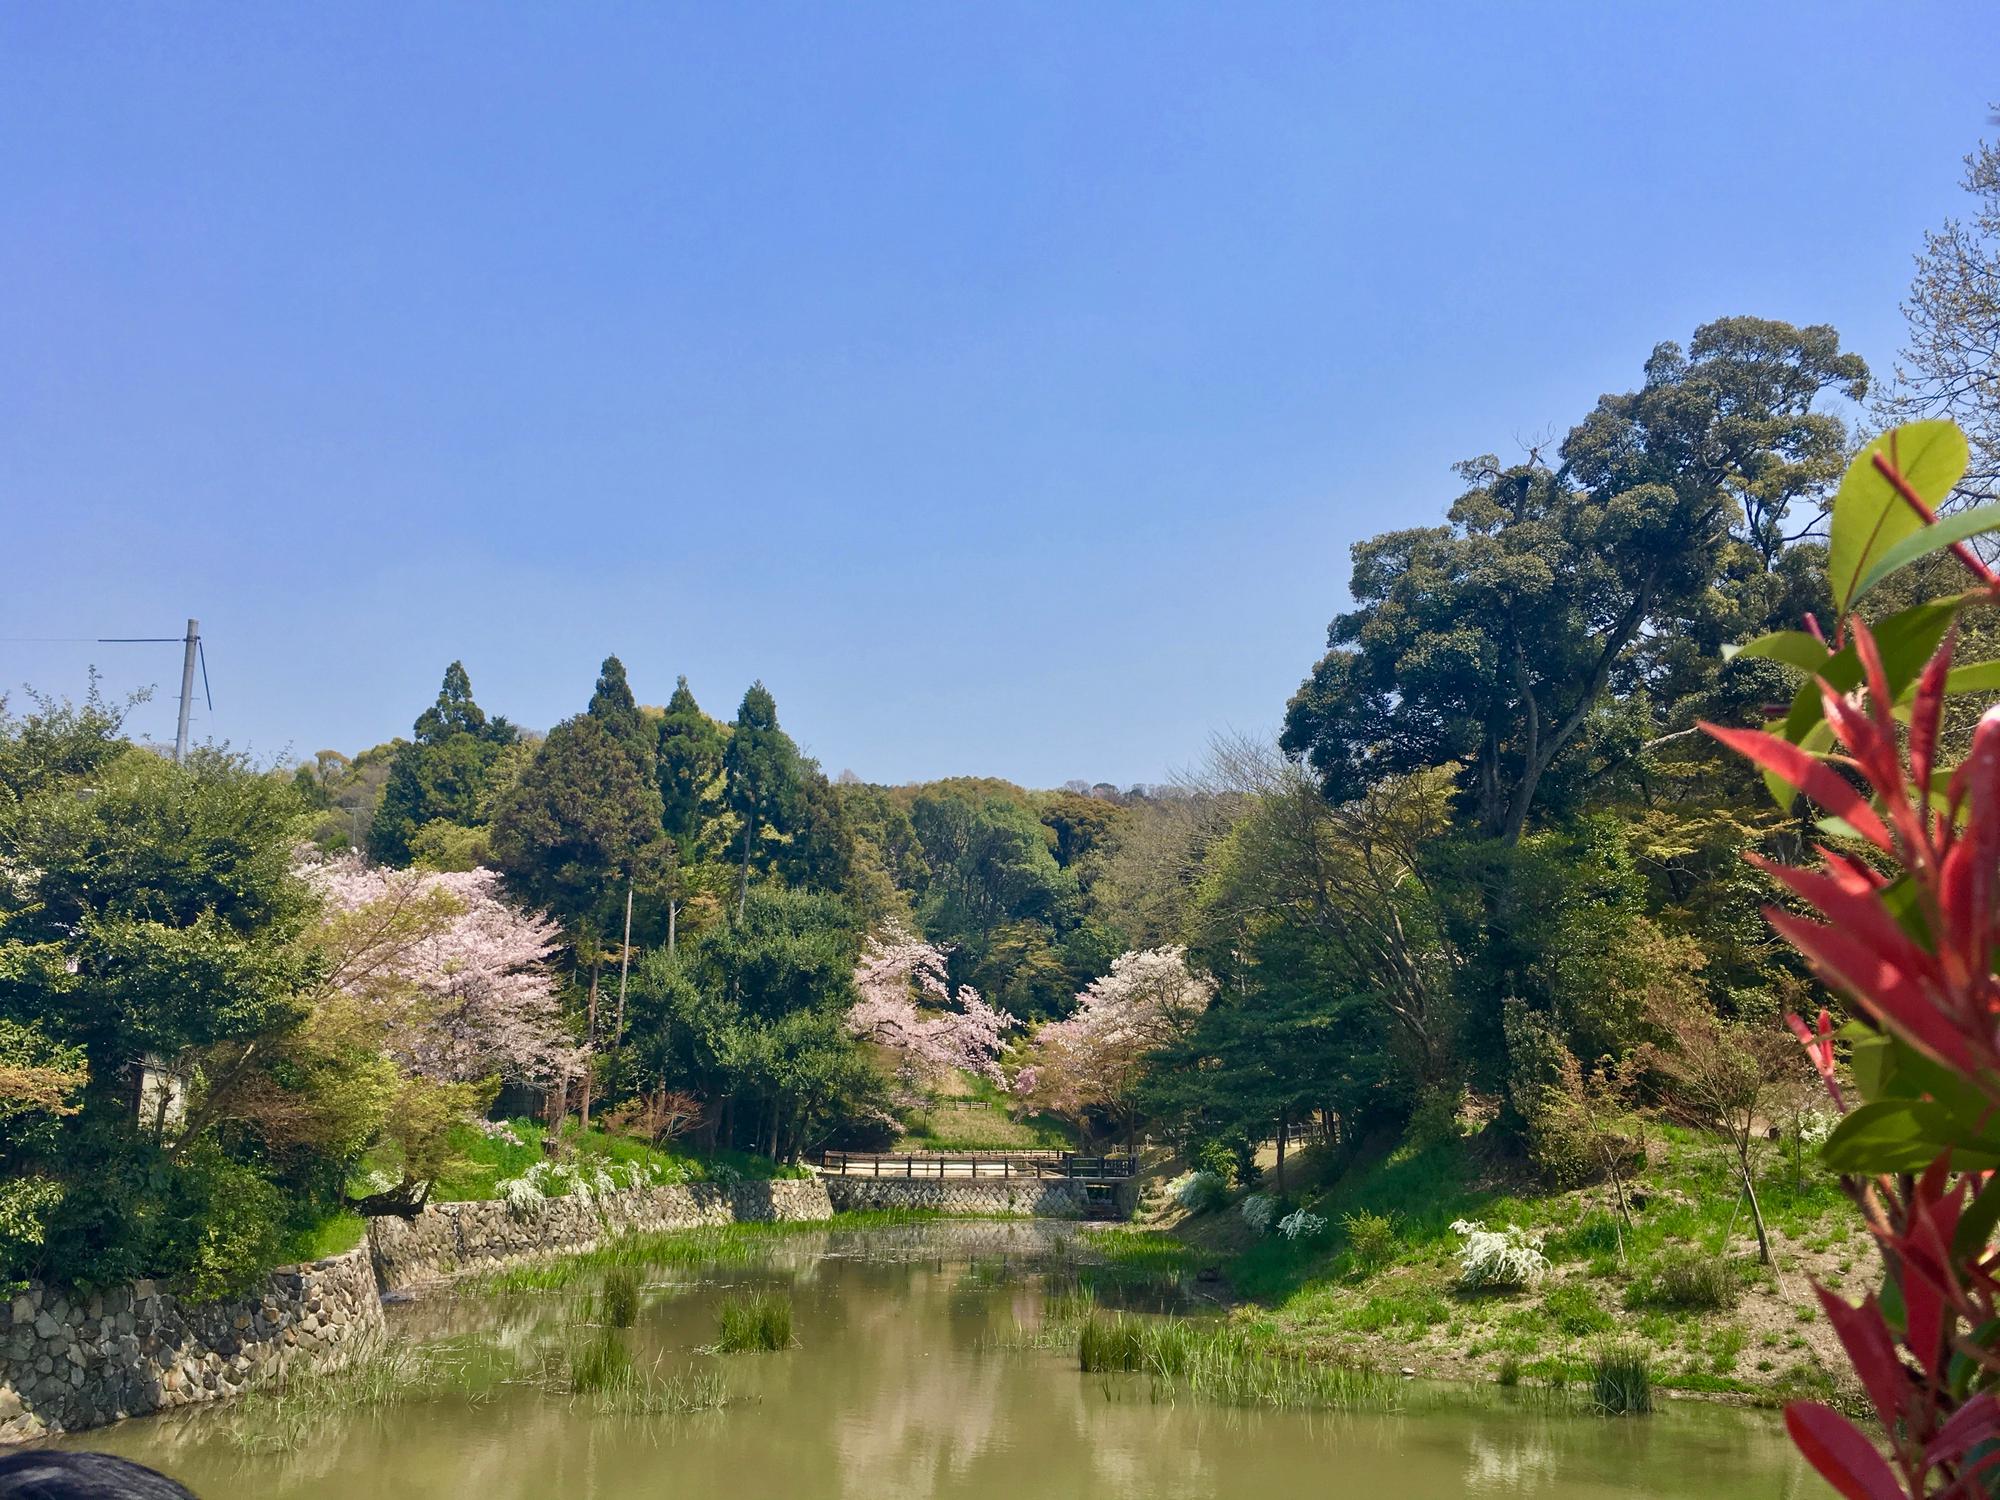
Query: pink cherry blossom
{"type": "Point", "coordinates": [460, 971]}
{"type": "Point", "coordinates": [906, 1003]}
{"type": "Point", "coordinates": [1093, 1059]}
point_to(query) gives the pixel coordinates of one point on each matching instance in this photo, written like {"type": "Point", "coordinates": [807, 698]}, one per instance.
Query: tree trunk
{"type": "Point", "coordinates": [773, 1152]}
{"type": "Point", "coordinates": [1756, 1210]}
{"type": "Point", "coordinates": [1283, 1130]}
{"type": "Point", "coordinates": [624, 971]}
{"type": "Point", "coordinates": [743, 881]}
{"type": "Point", "coordinates": [673, 913]}
{"type": "Point", "coordinates": [590, 1034]}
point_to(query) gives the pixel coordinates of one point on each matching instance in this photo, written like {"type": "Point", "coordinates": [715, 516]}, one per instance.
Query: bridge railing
{"type": "Point", "coordinates": [1001, 1164]}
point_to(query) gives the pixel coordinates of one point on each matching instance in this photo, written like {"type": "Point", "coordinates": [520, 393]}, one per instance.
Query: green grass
{"type": "Point", "coordinates": [1621, 1380]}
{"type": "Point", "coordinates": [302, 1406]}
{"type": "Point", "coordinates": [601, 1368]}
{"type": "Point", "coordinates": [1688, 1279]}
{"type": "Point", "coordinates": [335, 1234]}
{"type": "Point", "coordinates": [758, 1323]}
{"type": "Point", "coordinates": [979, 1117]}
{"type": "Point", "coordinates": [1575, 1310]}
{"type": "Point", "coordinates": [1364, 1291]}
{"type": "Point", "coordinates": [1224, 1363]}
{"type": "Point", "coordinates": [481, 1161]}
{"type": "Point", "coordinates": [618, 1297]}
{"type": "Point", "coordinates": [1136, 1255]}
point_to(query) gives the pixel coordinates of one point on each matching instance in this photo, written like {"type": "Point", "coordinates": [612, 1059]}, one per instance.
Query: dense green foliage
{"type": "Point", "coordinates": [149, 927]}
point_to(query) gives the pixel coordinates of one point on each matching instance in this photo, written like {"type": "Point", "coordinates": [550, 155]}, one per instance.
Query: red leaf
{"type": "Point", "coordinates": [1892, 995]}
{"type": "Point", "coordinates": [1845, 1459]}
{"type": "Point", "coordinates": [1871, 1349]}
{"type": "Point", "coordinates": [1926, 713]}
{"type": "Point", "coordinates": [1966, 880]}
{"type": "Point", "coordinates": [1863, 740]}
{"type": "Point", "coordinates": [1814, 777]}
{"type": "Point", "coordinates": [1974, 1422]}
{"type": "Point", "coordinates": [1857, 914]}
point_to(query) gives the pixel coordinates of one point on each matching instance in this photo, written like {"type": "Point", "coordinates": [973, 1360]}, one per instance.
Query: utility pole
{"type": "Point", "coordinates": [187, 689]}
{"type": "Point", "coordinates": [624, 969]}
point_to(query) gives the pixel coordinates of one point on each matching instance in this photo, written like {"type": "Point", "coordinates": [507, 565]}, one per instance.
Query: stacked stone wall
{"type": "Point", "coordinates": [450, 1239]}
{"type": "Point", "coordinates": [70, 1360]}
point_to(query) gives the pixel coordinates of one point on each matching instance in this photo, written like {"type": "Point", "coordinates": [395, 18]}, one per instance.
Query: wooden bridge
{"type": "Point", "coordinates": [1041, 1165]}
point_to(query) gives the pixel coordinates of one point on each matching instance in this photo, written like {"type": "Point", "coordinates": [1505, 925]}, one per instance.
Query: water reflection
{"type": "Point", "coordinates": [904, 1384]}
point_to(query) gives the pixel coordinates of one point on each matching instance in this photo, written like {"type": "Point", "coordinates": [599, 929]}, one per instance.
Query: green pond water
{"type": "Point", "coordinates": [908, 1378]}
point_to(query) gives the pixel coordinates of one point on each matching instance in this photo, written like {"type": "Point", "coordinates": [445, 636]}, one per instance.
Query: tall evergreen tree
{"type": "Point", "coordinates": [614, 707]}
{"type": "Point", "coordinates": [441, 774]}
{"type": "Point", "coordinates": [691, 746]}
{"type": "Point", "coordinates": [578, 824]}
{"type": "Point", "coordinates": [762, 765]}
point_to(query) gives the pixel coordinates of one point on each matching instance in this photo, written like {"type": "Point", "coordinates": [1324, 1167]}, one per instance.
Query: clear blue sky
{"type": "Point", "coordinates": [1003, 384]}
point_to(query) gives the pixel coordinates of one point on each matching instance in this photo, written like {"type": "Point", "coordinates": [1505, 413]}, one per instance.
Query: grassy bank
{"type": "Point", "coordinates": [970, 1113]}
{"type": "Point", "coordinates": [484, 1160]}
{"type": "Point", "coordinates": [1381, 1283]}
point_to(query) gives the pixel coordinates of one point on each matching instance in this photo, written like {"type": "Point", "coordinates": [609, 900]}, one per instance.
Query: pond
{"type": "Point", "coordinates": [910, 1376]}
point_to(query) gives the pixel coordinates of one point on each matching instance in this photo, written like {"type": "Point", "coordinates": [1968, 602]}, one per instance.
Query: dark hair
{"type": "Point", "coordinates": [50, 1474]}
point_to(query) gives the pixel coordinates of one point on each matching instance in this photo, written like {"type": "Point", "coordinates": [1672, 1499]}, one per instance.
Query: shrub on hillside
{"type": "Point", "coordinates": [1198, 1192]}
{"type": "Point", "coordinates": [1685, 1278]}
{"type": "Point", "coordinates": [1498, 1260]}
{"type": "Point", "coordinates": [1302, 1224]}
{"type": "Point", "coordinates": [1259, 1210]}
{"type": "Point", "coordinates": [1371, 1238]}
{"type": "Point", "coordinates": [1218, 1157]}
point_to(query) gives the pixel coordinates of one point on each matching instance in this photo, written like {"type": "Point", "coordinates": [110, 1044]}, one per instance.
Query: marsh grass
{"type": "Point", "coordinates": [1621, 1379]}
{"type": "Point", "coordinates": [301, 1405]}
{"type": "Point", "coordinates": [758, 1323]}
{"type": "Point", "coordinates": [1224, 1364]}
{"type": "Point", "coordinates": [600, 1367]}
{"type": "Point", "coordinates": [618, 1297]}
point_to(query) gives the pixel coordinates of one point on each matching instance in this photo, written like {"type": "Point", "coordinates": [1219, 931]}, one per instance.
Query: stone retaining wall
{"type": "Point", "coordinates": [448, 1239]}
{"type": "Point", "coordinates": [1047, 1199]}
{"type": "Point", "coordinates": [74, 1360]}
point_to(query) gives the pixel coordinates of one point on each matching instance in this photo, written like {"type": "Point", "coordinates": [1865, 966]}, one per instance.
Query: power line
{"type": "Point", "coordinates": [194, 653]}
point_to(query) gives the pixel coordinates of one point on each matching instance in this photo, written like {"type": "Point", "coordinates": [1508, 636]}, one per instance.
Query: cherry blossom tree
{"type": "Point", "coordinates": [458, 974]}
{"type": "Point", "coordinates": [906, 1003]}
{"type": "Point", "coordinates": [1091, 1063]}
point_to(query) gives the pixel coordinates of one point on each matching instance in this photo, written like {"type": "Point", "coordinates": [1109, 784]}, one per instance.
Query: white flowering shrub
{"type": "Point", "coordinates": [582, 1180]}
{"type": "Point", "coordinates": [1508, 1259]}
{"type": "Point", "coordinates": [1815, 1125]}
{"type": "Point", "coordinates": [1258, 1210]}
{"type": "Point", "coordinates": [521, 1196]}
{"type": "Point", "coordinates": [376, 1181]}
{"type": "Point", "coordinates": [1197, 1192]}
{"type": "Point", "coordinates": [1302, 1225]}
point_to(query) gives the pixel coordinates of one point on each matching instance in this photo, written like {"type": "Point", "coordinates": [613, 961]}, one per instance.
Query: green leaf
{"type": "Point", "coordinates": [1977, 1223]}
{"type": "Point", "coordinates": [1926, 540]}
{"type": "Point", "coordinates": [1869, 517]}
{"type": "Point", "coordinates": [1868, 1057]}
{"type": "Point", "coordinates": [1973, 677]}
{"type": "Point", "coordinates": [1792, 647]}
{"type": "Point", "coordinates": [1893, 1135]}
